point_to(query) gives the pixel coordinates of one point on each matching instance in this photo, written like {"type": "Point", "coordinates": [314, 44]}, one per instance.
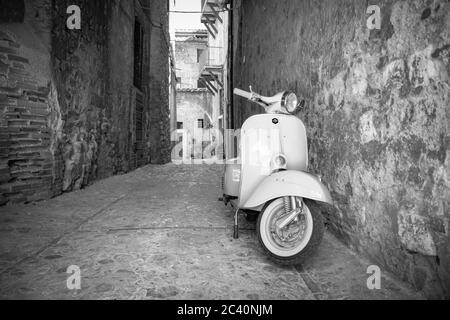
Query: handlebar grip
{"type": "Point", "coordinates": [242, 93]}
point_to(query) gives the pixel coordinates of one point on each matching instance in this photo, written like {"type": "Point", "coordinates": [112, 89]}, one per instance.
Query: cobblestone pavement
{"type": "Point", "coordinates": [160, 233]}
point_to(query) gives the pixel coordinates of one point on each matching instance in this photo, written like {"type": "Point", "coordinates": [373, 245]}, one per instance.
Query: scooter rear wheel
{"type": "Point", "coordinates": [297, 241]}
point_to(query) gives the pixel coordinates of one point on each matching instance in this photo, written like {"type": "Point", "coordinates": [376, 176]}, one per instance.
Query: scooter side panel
{"type": "Point", "coordinates": [232, 178]}
{"type": "Point", "coordinates": [262, 138]}
{"type": "Point", "coordinates": [288, 183]}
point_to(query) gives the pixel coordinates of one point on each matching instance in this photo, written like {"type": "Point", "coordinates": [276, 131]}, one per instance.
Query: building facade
{"type": "Point", "coordinates": [81, 103]}
{"type": "Point", "coordinates": [215, 73]}
{"type": "Point", "coordinates": [194, 101]}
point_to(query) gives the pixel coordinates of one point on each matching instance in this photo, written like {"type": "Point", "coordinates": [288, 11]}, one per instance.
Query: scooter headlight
{"type": "Point", "coordinates": [279, 162]}
{"type": "Point", "coordinates": [290, 102]}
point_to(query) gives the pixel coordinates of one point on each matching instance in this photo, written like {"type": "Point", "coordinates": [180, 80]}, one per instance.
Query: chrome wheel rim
{"type": "Point", "coordinates": [290, 240]}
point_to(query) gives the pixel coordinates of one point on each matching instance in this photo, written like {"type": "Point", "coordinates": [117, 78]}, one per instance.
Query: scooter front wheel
{"type": "Point", "coordinates": [294, 243]}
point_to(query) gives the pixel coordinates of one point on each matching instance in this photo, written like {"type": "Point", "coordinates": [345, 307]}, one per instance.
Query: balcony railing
{"type": "Point", "coordinates": [206, 2]}
{"type": "Point", "coordinates": [211, 13]}
{"type": "Point", "coordinates": [212, 78]}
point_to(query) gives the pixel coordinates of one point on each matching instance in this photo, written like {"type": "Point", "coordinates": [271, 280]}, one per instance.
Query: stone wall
{"type": "Point", "coordinates": [159, 114]}
{"type": "Point", "coordinates": [377, 118]}
{"type": "Point", "coordinates": [67, 97]}
{"type": "Point", "coordinates": [192, 105]}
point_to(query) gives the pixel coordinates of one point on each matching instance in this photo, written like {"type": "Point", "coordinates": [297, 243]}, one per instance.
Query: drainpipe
{"type": "Point", "coordinates": [230, 106]}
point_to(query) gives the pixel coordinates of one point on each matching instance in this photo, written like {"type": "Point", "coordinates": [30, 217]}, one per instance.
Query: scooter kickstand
{"type": "Point", "coordinates": [236, 225]}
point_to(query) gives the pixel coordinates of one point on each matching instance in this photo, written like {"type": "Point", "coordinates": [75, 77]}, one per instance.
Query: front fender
{"type": "Point", "coordinates": [289, 183]}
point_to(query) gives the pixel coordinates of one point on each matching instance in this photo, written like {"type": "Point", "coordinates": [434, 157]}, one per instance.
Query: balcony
{"type": "Point", "coordinates": [206, 4]}
{"type": "Point", "coordinates": [211, 13]}
{"type": "Point", "coordinates": [212, 78]}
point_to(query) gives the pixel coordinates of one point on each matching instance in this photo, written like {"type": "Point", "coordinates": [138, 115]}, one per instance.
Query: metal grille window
{"type": "Point", "coordinates": [199, 55]}
{"type": "Point", "coordinates": [200, 123]}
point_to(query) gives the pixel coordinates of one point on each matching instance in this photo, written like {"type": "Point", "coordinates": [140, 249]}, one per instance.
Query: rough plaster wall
{"type": "Point", "coordinates": [377, 118]}
{"type": "Point", "coordinates": [160, 144]}
{"type": "Point", "coordinates": [120, 79]}
{"type": "Point", "coordinates": [94, 77]}
{"type": "Point", "coordinates": [80, 69]}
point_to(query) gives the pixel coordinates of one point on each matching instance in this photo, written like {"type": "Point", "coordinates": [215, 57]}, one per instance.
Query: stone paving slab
{"type": "Point", "coordinates": [160, 233]}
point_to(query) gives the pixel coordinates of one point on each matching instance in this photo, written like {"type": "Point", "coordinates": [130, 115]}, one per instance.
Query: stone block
{"type": "Point", "coordinates": [7, 50]}
{"type": "Point", "coordinates": [13, 57]}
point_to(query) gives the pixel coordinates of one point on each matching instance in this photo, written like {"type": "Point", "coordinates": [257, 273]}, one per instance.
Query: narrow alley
{"type": "Point", "coordinates": [160, 233]}
{"type": "Point", "coordinates": [224, 150]}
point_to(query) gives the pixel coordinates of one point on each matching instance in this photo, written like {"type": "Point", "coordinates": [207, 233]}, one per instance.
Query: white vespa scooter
{"type": "Point", "coordinates": [269, 178]}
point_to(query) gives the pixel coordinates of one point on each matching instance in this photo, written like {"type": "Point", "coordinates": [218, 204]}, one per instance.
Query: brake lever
{"type": "Point", "coordinates": [254, 96]}
{"type": "Point", "coordinates": [257, 98]}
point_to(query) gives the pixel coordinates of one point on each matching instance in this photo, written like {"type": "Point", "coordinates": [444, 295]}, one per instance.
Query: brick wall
{"type": "Point", "coordinates": [377, 118]}
{"type": "Point", "coordinates": [26, 163]}
{"type": "Point", "coordinates": [25, 160]}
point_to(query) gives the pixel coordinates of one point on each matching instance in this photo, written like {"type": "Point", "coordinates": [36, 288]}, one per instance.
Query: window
{"type": "Point", "coordinates": [200, 123]}
{"type": "Point", "coordinates": [221, 98]}
{"type": "Point", "coordinates": [138, 53]}
{"type": "Point", "coordinates": [178, 82]}
{"type": "Point", "coordinates": [199, 55]}
{"type": "Point", "coordinates": [179, 125]}
{"type": "Point", "coordinates": [200, 84]}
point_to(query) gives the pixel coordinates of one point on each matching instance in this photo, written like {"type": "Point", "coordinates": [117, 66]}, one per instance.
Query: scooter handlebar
{"type": "Point", "coordinates": [242, 93]}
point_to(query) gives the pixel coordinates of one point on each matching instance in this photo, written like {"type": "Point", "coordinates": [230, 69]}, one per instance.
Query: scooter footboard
{"type": "Point", "coordinates": [288, 183]}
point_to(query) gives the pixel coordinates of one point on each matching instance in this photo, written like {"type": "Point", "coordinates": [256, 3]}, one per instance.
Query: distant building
{"type": "Point", "coordinates": [215, 72]}
{"type": "Point", "coordinates": [194, 101]}
{"type": "Point", "coordinates": [191, 54]}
